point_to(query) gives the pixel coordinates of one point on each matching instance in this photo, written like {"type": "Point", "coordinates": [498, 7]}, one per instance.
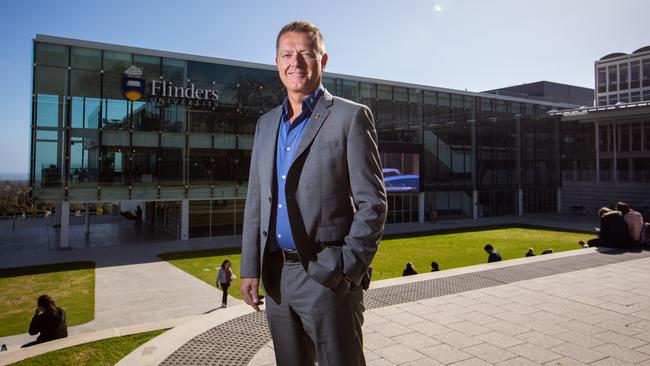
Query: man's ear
{"type": "Point", "coordinates": [323, 61]}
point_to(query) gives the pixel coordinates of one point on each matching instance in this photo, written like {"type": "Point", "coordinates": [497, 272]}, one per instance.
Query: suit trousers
{"type": "Point", "coordinates": [315, 323]}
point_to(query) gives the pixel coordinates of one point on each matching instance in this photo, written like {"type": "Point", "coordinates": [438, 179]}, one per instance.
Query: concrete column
{"type": "Point", "coordinates": [597, 150]}
{"type": "Point", "coordinates": [421, 202]}
{"type": "Point", "coordinates": [185, 219]}
{"type": "Point", "coordinates": [87, 218]}
{"type": "Point", "coordinates": [520, 202]}
{"type": "Point", "coordinates": [57, 213]}
{"type": "Point", "coordinates": [64, 213]}
{"type": "Point", "coordinates": [475, 204]}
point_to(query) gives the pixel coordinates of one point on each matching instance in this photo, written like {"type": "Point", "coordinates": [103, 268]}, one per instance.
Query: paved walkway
{"type": "Point", "coordinates": [135, 290]}
{"type": "Point", "coordinates": [132, 285]}
{"type": "Point", "coordinates": [572, 308]}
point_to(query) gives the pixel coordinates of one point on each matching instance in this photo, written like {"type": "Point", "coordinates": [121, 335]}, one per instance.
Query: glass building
{"type": "Point", "coordinates": [173, 133]}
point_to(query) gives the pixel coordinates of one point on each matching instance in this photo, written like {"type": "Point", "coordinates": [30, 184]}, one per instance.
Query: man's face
{"type": "Point", "coordinates": [300, 66]}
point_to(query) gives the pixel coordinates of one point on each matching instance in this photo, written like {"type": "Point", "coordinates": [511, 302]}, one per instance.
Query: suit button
{"type": "Point", "coordinates": [264, 233]}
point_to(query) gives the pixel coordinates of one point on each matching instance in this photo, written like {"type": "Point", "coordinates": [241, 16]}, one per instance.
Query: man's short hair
{"type": "Point", "coordinates": [304, 26]}
{"type": "Point", "coordinates": [488, 248]}
{"type": "Point", "coordinates": [623, 207]}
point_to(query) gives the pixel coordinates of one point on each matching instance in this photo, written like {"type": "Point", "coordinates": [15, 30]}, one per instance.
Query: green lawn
{"type": "Point", "coordinates": [204, 264]}
{"type": "Point", "coordinates": [71, 285]}
{"type": "Point", "coordinates": [450, 250]}
{"type": "Point", "coordinates": [106, 352]}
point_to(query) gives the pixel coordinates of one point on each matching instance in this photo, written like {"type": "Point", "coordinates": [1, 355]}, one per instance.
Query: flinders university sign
{"type": "Point", "coordinates": [164, 92]}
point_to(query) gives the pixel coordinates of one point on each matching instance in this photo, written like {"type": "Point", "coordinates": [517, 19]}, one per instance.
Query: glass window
{"type": "Point", "coordinates": [624, 137]}
{"type": "Point", "coordinates": [622, 77]}
{"type": "Point", "coordinates": [47, 169]}
{"type": "Point", "coordinates": [613, 99]}
{"type": "Point", "coordinates": [636, 97]}
{"type": "Point", "coordinates": [646, 74]}
{"type": "Point", "coordinates": [173, 69]}
{"type": "Point", "coordinates": [86, 59]}
{"type": "Point", "coordinates": [117, 62]}
{"type": "Point", "coordinates": [330, 85]}
{"type": "Point", "coordinates": [636, 136]}
{"type": "Point", "coordinates": [613, 80]}
{"type": "Point", "coordinates": [624, 98]}
{"type": "Point", "coordinates": [85, 112]}
{"type": "Point", "coordinates": [635, 74]}
{"type": "Point", "coordinates": [602, 80]}
{"type": "Point", "coordinates": [602, 101]}
{"type": "Point", "coordinates": [368, 94]}
{"type": "Point", "coordinates": [49, 80]}
{"type": "Point", "coordinates": [150, 66]}
{"type": "Point", "coordinates": [84, 157]}
{"type": "Point", "coordinates": [51, 54]}
{"type": "Point", "coordinates": [84, 83]}
{"type": "Point", "coordinates": [115, 114]}
{"type": "Point", "coordinates": [200, 71]}
{"type": "Point", "coordinates": [351, 90]}
{"type": "Point", "coordinates": [49, 110]}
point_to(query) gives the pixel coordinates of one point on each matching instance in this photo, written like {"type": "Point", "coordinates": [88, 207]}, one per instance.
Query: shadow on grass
{"type": "Point", "coordinates": [458, 230]}
{"type": "Point", "coordinates": [199, 253]}
{"type": "Point", "coordinates": [47, 268]}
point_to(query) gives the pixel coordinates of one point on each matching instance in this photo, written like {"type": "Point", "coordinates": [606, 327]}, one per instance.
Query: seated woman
{"type": "Point", "coordinates": [49, 320]}
{"type": "Point", "coordinates": [409, 270]}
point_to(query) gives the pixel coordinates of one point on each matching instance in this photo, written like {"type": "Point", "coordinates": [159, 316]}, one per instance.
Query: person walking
{"type": "Point", "coordinates": [224, 278]}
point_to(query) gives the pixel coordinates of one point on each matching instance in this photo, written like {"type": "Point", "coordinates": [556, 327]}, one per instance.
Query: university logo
{"type": "Point", "coordinates": [133, 85]}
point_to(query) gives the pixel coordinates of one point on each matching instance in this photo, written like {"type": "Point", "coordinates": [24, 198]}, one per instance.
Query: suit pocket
{"type": "Point", "coordinates": [328, 267]}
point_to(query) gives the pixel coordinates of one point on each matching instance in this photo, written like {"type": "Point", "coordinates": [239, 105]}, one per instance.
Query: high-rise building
{"type": "Point", "coordinates": [623, 78]}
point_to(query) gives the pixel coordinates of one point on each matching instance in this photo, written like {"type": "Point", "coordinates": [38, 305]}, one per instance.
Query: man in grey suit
{"type": "Point", "coordinates": [315, 210]}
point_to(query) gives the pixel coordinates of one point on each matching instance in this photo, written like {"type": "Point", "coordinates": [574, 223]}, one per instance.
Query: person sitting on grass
{"type": "Point", "coordinates": [547, 251]}
{"type": "Point", "coordinates": [493, 255]}
{"type": "Point", "coordinates": [49, 320]}
{"type": "Point", "coordinates": [613, 231]}
{"type": "Point", "coordinates": [409, 270]}
{"type": "Point", "coordinates": [434, 267]}
{"type": "Point", "coordinates": [633, 219]}
{"type": "Point", "coordinates": [530, 252]}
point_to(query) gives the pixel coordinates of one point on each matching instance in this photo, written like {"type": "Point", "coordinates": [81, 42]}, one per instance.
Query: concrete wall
{"type": "Point", "coordinates": [593, 196]}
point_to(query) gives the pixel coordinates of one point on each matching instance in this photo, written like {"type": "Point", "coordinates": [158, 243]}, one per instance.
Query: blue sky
{"type": "Point", "coordinates": [461, 44]}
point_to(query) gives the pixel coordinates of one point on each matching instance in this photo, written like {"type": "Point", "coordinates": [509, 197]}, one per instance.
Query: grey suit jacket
{"type": "Point", "coordinates": [335, 195]}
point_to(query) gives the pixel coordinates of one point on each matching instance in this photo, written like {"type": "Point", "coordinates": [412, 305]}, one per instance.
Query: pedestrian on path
{"type": "Point", "coordinates": [224, 278]}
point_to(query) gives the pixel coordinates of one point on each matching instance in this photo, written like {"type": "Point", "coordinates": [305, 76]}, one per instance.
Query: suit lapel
{"type": "Point", "coordinates": [267, 161]}
{"type": "Point", "coordinates": [321, 111]}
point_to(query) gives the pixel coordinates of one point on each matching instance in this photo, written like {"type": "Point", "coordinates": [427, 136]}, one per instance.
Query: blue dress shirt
{"type": "Point", "coordinates": [289, 135]}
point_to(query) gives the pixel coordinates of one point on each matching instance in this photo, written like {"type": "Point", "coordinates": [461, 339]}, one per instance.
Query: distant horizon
{"type": "Point", "coordinates": [14, 175]}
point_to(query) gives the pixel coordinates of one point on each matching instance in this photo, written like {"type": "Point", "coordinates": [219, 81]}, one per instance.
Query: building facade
{"type": "Point", "coordinates": [173, 133]}
{"type": "Point", "coordinates": [623, 78]}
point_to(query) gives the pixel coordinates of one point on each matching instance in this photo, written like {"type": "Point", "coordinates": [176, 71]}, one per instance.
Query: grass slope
{"type": "Point", "coordinates": [71, 285]}
{"type": "Point", "coordinates": [450, 250]}
{"type": "Point", "coordinates": [106, 352]}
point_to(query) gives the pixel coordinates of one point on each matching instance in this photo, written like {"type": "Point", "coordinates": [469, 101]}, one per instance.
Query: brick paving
{"type": "Point", "coordinates": [591, 309]}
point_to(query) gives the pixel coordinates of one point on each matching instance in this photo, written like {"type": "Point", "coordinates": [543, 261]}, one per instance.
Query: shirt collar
{"type": "Point", "coordinates": [309, 103]}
